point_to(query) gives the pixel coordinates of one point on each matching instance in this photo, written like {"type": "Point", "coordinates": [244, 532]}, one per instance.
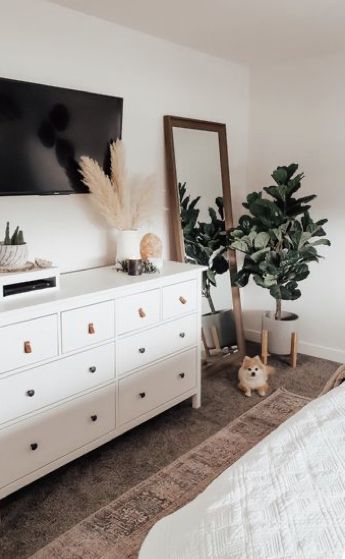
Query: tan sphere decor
{"type": "Point", "coordinates": [150, 246]}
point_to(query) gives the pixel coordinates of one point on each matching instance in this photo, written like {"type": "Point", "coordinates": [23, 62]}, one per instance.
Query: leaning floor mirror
{"type": "Point", "coordinates": [201, 214]}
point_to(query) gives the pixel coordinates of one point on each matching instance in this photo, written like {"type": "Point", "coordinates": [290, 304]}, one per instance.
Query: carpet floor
{"type": "Point", "coordinates": [38, 513]}
{"type": "Point", "coordinates": [117, 530]}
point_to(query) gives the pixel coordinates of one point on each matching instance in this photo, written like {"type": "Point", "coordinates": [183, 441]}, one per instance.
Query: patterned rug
{"type": "Point", "coordinates": [117, 530]}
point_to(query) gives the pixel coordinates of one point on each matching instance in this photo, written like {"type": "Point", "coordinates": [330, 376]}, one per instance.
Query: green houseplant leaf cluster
{"type": "Point", "coordinates": [278, 237]}
{"type": "Point", "coordinates": [205, 243]}
{"type": "Point", "coordinates": [16, 239]}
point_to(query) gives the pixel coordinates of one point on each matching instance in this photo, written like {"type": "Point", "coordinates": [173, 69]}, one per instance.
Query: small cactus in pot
{"type": "Point", "coordinates": [13, 249]}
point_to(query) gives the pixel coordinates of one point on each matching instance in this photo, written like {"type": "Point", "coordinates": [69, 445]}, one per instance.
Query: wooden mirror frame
{"type": "Point", "coordinates": [171, 122]}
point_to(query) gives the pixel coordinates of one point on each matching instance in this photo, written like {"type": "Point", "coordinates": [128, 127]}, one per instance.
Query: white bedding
{"type": "Point", "coordinates": [284, 499]}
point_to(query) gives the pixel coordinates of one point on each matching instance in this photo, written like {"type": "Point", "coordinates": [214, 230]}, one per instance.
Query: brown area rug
{"type": "Point", "coordinates": [117, 530]}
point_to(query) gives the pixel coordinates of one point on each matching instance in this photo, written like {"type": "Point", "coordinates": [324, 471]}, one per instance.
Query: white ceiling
{"type": "Point", "coordinates": [246, 31]}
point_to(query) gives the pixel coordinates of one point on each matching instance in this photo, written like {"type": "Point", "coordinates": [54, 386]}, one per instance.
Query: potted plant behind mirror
{"type": "Point", "coordinates": [206, 244]}
{"type": "Point", "coordinates": [279, 240]}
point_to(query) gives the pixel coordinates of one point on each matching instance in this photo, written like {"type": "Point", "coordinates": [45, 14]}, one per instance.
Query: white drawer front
{"type": "Point", "coordinates": [28, 342]}
{"type": "Point", "coordinates": [138, 311]}
{"type": "Point", "coordinates": [29, 445]}
{"type": "Point", "coordinates": [142, 392]}
{"type": "Point", "coordinates": [87, 325]}
{"type": "Point", "coordinates": [179, 299]}
{"type": "Point", "coordinates": [140, 349]}
{"type": "Point", "coordinates": [31, 390]}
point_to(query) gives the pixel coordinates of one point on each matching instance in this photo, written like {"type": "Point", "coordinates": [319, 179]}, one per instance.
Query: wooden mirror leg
{"type": "Point", "coordinates": [207, 349]}
{"type": "Point", "coordinates": [215, 338]}
{"type": "Point", "coordinates": [294, 344]}
{"type": "Point", "coordinates": [264, 346]}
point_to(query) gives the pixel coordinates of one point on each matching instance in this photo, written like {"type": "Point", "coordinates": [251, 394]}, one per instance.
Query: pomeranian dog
{"type": "Point", "coordinates": [253, 375]}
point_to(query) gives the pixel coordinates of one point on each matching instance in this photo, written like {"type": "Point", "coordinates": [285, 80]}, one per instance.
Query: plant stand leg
{"type": "Point", "coordinates": [215, 338]}
{"type": "Point", "coordinates": [293, 355]}
{"type": "Point", "coordinates": [207, 349]}
{"type": "Point", "coordinates": [264, 346]}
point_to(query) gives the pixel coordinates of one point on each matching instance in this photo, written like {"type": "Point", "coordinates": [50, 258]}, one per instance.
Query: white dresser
{"type": "Point", "coordinates": [82, 365]}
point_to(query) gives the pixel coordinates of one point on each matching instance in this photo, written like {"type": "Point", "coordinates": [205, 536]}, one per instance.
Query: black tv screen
{"type": "Point", "coordinates": [43, 132]}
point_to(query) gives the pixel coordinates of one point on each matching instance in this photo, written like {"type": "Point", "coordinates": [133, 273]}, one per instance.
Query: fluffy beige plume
{"type": "Point", "coordinates": [142, 199]}
{"type": "Point", "coordinates": [101, 189]}
{"type": "Point", "coordinates": [124, 204]}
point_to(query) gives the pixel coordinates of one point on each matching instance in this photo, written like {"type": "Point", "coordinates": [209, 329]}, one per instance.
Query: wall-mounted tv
{"type": "Point", "coordinates": [43, 132]}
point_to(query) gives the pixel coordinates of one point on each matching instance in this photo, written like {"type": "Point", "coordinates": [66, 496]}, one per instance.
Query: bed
{"type": "Point", "coordinates": [284, 499]}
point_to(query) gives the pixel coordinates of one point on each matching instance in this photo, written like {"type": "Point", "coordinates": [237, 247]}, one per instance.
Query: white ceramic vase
{"type": "Point", "coordinates": [279, 331]}
{"type": "Point", "coordinates": [13, 257]}
{"type": "Point", "coordinates": [128, 245]}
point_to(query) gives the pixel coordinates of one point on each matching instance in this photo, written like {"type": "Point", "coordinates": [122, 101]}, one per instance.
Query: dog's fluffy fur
{"type": "Point", "coordinates": [253, 375]}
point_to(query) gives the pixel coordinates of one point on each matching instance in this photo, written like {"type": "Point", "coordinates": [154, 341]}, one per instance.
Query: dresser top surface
{"type": "Point", "coordinates": [100, 280]}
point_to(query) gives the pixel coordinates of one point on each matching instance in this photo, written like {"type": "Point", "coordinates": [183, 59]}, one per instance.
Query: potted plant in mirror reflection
{"type": "Point", "coordinates": [279, 240]}
{"type": "Point", "coordinates": [206, 244]}
{"type": "Point", "coordinates": [125, 203]}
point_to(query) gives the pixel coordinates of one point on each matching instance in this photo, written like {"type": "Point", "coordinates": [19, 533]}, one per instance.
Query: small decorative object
{"type": "Point", "coordinates": [151, 249]}
{"type": "Point", "coordinates": [135, 267]}
{"type": "Point", "coordinates": [253, 375]}
{"type": "Point", "coordinates": [279, 240]}
{"type": "Point", "coordinates": [124, 203]}
{"type": "Point", "coordinates": [13, 249]}
{"type": "Point", "coordinates": [147, 267]}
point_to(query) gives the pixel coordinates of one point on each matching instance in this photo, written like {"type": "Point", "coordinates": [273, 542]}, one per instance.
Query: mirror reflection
{"type": "Point", "coordinates": [200, 190]}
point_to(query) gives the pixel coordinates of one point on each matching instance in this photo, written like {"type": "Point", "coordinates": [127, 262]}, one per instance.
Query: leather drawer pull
{"type": "Point", "coordinates": [94, 418]}
{"type": "Point", "coordinates": [142, 350]}
{"type": "Point", "coordinates": [30, 393]}
{"type": "Point", "coordinates": [92, 369]}
{"type": "Point", "coordinates": [27, 347]}
{"type": "Point", "coordinates": [182, 300]}
{"type": "Point", "coordinates": [182, 334]}
{"type": "Point", "coordinates": [141, 312]}
{"type": "Point", "coordinates": [142, 394]}
{"type": "Point", "coordinates": [91, 328]}
{"type": "Point", "coordinates": [181, 375]}
{"type": "Point", "coordinates": [34, 446]}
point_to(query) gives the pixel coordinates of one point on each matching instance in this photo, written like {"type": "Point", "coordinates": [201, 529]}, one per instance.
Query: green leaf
{"type": "Point", "coordinates": [239, 245]}
{"type": "Point", "coordinates": [321, 242]}
{"type": "Point", "coordinates": [257, 256]}
{"type": "Point", "coordinates": [280, 175]}
{"type": "Point", "coordinates": [261, 240]}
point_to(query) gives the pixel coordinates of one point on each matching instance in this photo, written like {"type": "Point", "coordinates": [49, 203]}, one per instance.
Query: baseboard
{"type": "Point", "coordinates": [324, 352]}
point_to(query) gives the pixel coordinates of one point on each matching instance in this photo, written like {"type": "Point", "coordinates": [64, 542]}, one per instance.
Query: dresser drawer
{"type": "Point", "coordinates": [137, 311]}
{"type": "Point", "coordinates": [31, 390]}
{"type": "Point", "coordinates": [140, 349]}
{"type": "Point", "coordinates": [179, 299]}
{"type": "Point", "coordinates": [87, 325]}
{"type": "Point", "coordinates": [142, 392]}
{"type": "Point", "coordinates": [31, 444]}
{"type": "Point", "coordinates": [29, 342]}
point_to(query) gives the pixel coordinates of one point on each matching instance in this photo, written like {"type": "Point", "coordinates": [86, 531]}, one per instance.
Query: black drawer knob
{"type": "Point", "coordinates": [34, 446]}
{"type": "Point", "coordinates": [181, 375]}
{"type": "Point", "coordinates": [30, 393]}
{"type": "Point", "coordinates": [142, 394]}
{"type": "Point", "coordinates": [92, 369]}
{"type": "Point", "coordinates": [142, 350]}
{"type": "Point", "coordinates": [182, 334]}
{"type": "Point", "coordinates": [94, 418]}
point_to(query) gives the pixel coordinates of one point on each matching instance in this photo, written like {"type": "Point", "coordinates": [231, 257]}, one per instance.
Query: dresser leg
{"type": "Point", "coordinates": [196, 401]}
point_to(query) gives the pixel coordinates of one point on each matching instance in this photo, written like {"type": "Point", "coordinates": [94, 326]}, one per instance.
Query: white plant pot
{"type": "Point", "coordinates": [13, 256]}
{"type": "Point", "coordinates": [225, 325]}
{"type": "Point", "coordinates": [279, 331]}
{"type": "Point", "coordinates": [128, 245]}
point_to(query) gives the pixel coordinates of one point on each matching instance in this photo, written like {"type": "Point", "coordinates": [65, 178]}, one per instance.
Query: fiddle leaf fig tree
{"type": "Point", "coordinates": [205, 243]}
{"type": "Point", "coordinates": [278, 237]}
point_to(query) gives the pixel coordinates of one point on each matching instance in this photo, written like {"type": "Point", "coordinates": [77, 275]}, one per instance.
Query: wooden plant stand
{"type": "Point", "coordinates": [293, 352]}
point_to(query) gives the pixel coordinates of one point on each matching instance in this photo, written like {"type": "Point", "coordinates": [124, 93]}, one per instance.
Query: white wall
{"type": "Point", "coordinates": [45, 43]}
{"type": "Point", "coordinates": [298, 115]}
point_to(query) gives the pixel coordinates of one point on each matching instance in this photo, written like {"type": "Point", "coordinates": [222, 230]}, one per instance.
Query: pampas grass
{"type": "Point", "coordinates": [124, 203]}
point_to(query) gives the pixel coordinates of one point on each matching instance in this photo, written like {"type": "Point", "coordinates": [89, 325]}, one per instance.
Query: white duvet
{"type": "Point", "coordinates": [284, 499]}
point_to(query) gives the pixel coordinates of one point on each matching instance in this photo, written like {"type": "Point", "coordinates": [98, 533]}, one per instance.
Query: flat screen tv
{"type": "Point", "coordinates": [43, 132]}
